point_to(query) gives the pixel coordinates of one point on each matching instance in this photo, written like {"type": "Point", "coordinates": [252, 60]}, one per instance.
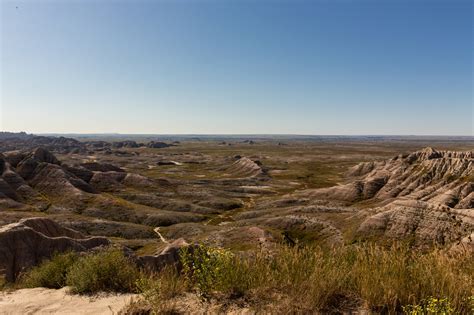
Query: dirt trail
{"type": "Point", "coordinates": [157, 231]}
{"type": "Point", "coordinates": [50, 301]}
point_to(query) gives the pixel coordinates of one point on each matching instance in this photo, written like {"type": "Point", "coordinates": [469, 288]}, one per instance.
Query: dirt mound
{"type": "Point", "coordinates": [28, 242]}
{"type": "Point", "coordinates": [244, 167]}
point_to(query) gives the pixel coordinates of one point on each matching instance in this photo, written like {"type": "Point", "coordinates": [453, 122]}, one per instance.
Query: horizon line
{"type": "Point", "coordinates": [250, 134]}
{"type": "Point", "coordinates": [235, 134]}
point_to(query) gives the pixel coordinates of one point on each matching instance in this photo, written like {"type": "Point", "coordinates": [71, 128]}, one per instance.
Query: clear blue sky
{"type": "Point", "coordinates": [296, 67]}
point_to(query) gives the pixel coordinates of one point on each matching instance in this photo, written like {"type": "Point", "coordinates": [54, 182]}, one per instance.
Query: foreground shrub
{"type": "Point", "coordinates": [108, 270]}
{"type": "Point", "coordinates": [204, 267]}
{"type": "Point", "coordinates": [51, 273]}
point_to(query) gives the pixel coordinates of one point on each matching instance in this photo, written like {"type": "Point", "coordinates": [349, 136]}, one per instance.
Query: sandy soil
{"type": "Point", "coordinates": [49, 301]}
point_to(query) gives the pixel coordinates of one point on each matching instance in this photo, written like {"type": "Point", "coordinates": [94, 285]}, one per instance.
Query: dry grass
{"type": "Point", "coordinates": [308, 279]}
{"type": "Point", "coordinates": [300, 279]}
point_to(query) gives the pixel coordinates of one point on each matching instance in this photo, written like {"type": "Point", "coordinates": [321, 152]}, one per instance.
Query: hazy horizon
{"type": "Point", "coordinates": [361, 68]}
{"type": "Point", "coordinates": [238, 135]}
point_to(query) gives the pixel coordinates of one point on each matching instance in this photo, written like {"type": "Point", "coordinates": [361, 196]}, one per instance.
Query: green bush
{"type": "Point", "coordinates": [203, 267]}
{"type": "Point", "coordinates": [108, 270]}
{"type": "Point", "coordinates": [51, 273]}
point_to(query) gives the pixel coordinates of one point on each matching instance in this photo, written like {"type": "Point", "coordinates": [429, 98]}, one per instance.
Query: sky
{"type": "Point", "coordinates": [340, 67]}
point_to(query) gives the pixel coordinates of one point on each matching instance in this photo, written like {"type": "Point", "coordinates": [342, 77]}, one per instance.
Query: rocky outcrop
{"type": "Point", "coordinates": [28, 242]}
{"type": "Point", "coordinates": [169, 256]}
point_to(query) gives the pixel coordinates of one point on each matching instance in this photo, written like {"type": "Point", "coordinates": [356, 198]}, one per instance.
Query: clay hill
{"type": "Point", "coordinates": [427, 195]}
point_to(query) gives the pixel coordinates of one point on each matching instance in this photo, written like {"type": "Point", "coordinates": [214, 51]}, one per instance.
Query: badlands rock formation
{"type": "Point", "coordinates": [26, 178]}
{"type": "Point", "coordinates": [440, 177]}
{"type": "Point", "coordinates": [21, 141]}
{"type": "Point", "coordinates": [427, 195]}
{"type": "Point", "coordinates": [28, 242]}
{"type": "Point", "coordinates": [32, 175]}
{"type": "Point", "coordinates": [244, 167]}
{"type": "Point", "coordinates": [426, 223]}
